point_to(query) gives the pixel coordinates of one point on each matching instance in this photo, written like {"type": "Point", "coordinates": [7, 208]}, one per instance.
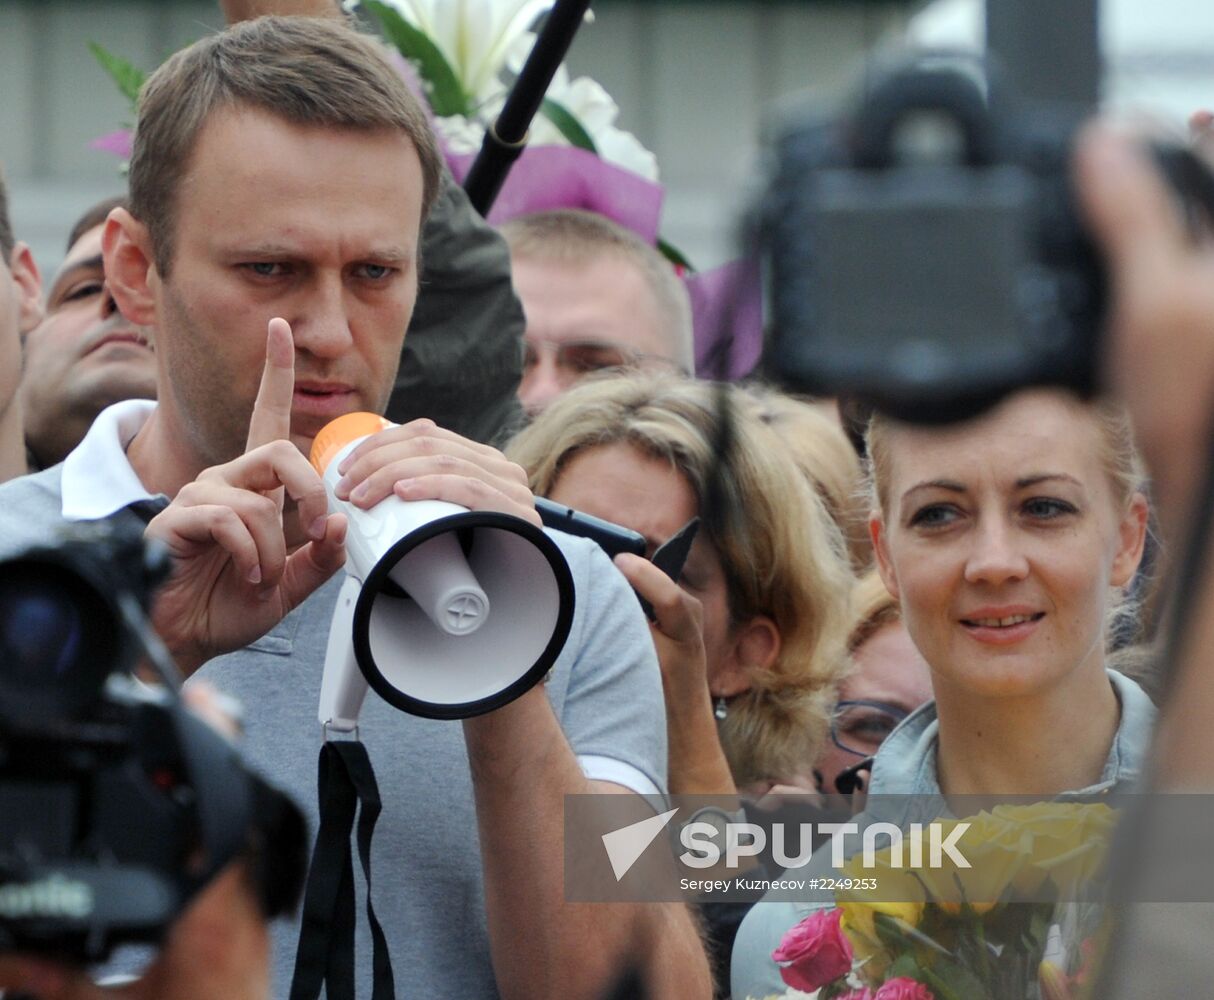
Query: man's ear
{"type": "Point", "coordinates": [755, 646]}
{"type": "Point", "coordinates": [885, 567]}
{"type": "Point", "coordinates": [25, 274]}
{"type": "Point", "coordinates": [130, 271]}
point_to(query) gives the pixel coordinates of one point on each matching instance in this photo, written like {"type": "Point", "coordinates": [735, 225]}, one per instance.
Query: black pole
{"type": "Point", "coordinates": [506, 138]}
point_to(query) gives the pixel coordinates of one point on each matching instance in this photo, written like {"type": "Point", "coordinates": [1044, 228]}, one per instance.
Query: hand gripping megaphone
{"type": "Point", "coordinates": [446, 612]}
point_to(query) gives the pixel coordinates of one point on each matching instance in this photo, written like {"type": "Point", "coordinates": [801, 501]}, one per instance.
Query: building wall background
{"type": "Point", "coordinates": [692, 81]}
{"type": "Point", "coordinates": [695, 81]}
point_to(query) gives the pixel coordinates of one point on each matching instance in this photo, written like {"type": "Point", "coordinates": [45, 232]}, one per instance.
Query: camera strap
{"type": "Point", "coordinates": [325, 956]}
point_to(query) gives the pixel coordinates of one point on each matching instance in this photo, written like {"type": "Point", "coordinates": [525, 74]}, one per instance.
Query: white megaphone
{"type": "Point", "coordinates": [446, 612]}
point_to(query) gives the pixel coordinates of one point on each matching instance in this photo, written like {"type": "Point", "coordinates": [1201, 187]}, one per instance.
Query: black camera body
{"type": "Point", "coordinates": [109, 826]}
{"type": "Point", "coordinates": [117, 804]}
{"type": "Point", "coordinates": [929, 286]}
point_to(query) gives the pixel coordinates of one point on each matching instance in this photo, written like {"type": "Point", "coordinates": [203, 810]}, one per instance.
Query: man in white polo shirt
{"type": "Point", "coordinates": [280, 176]}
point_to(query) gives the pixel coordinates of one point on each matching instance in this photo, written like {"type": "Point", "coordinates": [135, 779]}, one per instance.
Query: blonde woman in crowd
{"type": "Point", "coordinates": [817, 444]}
{"type": "Point", "coordinates": [752, 646]}
{"type": "Point", "coordinates": [1007, 541]}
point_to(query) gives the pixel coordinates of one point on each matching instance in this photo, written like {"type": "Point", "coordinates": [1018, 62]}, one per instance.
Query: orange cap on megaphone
{"type": "Point", "coordinates": [336, 434]}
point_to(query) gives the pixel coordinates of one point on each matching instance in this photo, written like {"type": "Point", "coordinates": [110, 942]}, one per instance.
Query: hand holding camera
{"type": "Point", "coordinates": [928, 252]}
{"type": "Point", "coordinates": [1160, 355]}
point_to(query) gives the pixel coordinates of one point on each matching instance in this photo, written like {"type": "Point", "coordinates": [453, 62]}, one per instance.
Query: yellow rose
{"type": "Point", "coordinates": [1013, 850]}
{"type": "Point", "coordinates": [871, 956]}
{"type": "Point", "coordinates": [982, 885]}
{"type": "Point", "coordinates": [1069, 821]}
{"type": "Point", "coordinates": [896, 892]}
{"type": "Point", "coordinates": [859, 919]}
{"type": "Point", "coordinates": [1066, 842]}
{"type": "Point", "coordinates": [859, 924]}
{"type": "Point", "coordinates": [994, 862]}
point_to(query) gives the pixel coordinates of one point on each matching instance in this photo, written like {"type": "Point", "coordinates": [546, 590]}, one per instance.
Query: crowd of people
{"type": "Point", "coordinates": [938, 612]}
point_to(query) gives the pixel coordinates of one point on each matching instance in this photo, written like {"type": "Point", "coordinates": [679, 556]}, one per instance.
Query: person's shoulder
{"type": "Point", "coordinates": [43, 483]}
{"type": "Point", "coordinates": [579, 552]}
{"type": "Point", "coordinates": [30, 509]}
{"type": "Point", "coordinates": [753, 972]}
{"type": "Point", "coordinates": [606, 686]}
{"type": "Point", "coordinates": [595, 577]}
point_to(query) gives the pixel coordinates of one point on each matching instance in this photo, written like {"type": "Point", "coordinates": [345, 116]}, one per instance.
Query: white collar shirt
{"type": "Point", "coordinates": [98, 478]}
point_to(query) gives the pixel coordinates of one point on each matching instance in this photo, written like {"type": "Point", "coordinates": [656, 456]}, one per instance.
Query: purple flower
{"type": "Point", "coordinates": [116, 143]}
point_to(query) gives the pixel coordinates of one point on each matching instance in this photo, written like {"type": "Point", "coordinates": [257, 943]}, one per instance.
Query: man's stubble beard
{"type": "Point", "coordinates": [212, 410]}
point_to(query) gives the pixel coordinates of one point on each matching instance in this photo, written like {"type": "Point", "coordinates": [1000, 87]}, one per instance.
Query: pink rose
{"type": "Point", "coordinates": [903, 988]}
{"type": "Point", "coordinates": [815, 952]}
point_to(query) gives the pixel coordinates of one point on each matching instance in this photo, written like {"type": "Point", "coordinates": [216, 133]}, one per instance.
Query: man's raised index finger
{"type": "Point", "coordinates": [271, 420]}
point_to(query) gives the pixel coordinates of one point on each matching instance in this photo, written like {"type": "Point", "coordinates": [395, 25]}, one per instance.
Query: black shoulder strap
{"type": "Point", "coordinates": [325, 956]}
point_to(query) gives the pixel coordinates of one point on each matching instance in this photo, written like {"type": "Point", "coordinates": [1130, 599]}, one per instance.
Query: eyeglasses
{"type": "Point", "coordinates": [860, 727]}
{"type": "Point", "coordinates": [575, 358]}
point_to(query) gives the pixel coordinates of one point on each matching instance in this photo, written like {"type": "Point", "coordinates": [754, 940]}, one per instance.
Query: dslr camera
{"type": "Point", "coordinates": [117, 804]}
{"type": "Point", "coordinates": [925, 251]}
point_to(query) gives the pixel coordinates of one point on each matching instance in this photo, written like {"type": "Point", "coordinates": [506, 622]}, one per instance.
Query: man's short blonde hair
{"type": "Point", "coordinates": [574, 236]}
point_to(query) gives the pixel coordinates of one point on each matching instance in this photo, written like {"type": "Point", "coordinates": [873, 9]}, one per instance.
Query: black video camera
{"type": "Point", "coordinates": [117, 804]}
{"type": "Point", "coordinates": [926, 254]}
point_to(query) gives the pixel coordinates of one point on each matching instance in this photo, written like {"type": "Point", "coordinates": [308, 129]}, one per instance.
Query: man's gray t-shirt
{"type": "Point", "coordinates": [605, 690]}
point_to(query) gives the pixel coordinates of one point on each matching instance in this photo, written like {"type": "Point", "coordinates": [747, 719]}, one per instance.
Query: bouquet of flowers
{"type": "Point", "coordinates": [992, 931]}
{"type": "Point", "coordinates": [467, 53]}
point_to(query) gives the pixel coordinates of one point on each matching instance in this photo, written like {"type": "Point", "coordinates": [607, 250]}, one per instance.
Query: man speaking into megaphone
{"type": "Point", "coordinates": [280, 175]}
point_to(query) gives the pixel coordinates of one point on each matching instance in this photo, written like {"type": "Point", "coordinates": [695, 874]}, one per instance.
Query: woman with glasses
{"type": "Point", "coordinates": [889, 680]}
{"type": "Point", "coordinates": [1008, 542]}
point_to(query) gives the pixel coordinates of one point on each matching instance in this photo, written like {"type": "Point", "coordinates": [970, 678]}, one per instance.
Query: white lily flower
{"type": "Point", "coordinates": [625, 150]}
{"type": "Point", "coordinates": [596, 112]}
{"type": "Point", "coordinates": [482, 39]}
{"type": "Point", "coordinates": [475, 36]}
{"type": "Point", "coordinates": [460, 134]}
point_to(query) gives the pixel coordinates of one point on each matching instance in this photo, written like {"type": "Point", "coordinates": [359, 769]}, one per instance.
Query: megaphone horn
{"type": "Point", "coordinates": [446, 612]}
